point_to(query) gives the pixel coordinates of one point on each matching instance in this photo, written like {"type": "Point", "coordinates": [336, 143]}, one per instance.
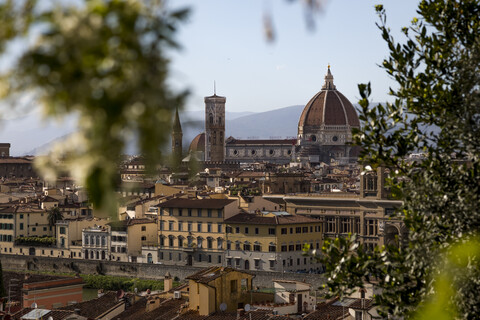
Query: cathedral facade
{"type": "Point", "coordinates": [324, 133]}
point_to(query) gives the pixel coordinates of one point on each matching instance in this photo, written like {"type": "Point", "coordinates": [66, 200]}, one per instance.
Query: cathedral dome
{"type": "Point", "coordinates": [329, 107]}
{"type": "Point", "coordinates": [198, 143]}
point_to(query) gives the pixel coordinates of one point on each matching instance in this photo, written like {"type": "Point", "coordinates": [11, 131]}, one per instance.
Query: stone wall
{"type": "Point", "coordinates": [263, 279]}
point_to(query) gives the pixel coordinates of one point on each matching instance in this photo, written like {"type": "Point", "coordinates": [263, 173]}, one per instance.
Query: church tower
{"type": "Point", "coordinates": [177, 136]}
{"type": "Point", "coordinates": [215, 128]}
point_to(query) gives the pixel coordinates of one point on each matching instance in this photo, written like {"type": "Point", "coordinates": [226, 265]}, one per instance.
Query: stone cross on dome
{"type": "Point", "coordinates": [329, 81]}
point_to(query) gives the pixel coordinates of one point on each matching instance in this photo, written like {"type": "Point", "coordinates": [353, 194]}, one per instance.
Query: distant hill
{"type": "Point", "coordinates": [28, 136]}
{"type": "Point", "coordinates": [278, 123]}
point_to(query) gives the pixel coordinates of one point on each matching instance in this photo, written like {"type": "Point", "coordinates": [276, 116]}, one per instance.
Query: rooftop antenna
{"type": "Point", "coordinates": [214, 88]}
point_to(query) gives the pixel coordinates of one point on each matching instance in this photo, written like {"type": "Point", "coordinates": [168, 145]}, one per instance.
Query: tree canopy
{"type": "Point", "coordinates": [436, 112]}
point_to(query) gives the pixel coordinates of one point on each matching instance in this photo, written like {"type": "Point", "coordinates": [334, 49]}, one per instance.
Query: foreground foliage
{"type": "Point", "coordinates": [105, 61]}
{"type": "Point", "coordinates": [437, 113]}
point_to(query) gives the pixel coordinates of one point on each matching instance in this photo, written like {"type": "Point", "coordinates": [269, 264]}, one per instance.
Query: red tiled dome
{"type": "Point", "coordinates": [198, 143]}
{"type": "Point", "coordinates": [329, 107]}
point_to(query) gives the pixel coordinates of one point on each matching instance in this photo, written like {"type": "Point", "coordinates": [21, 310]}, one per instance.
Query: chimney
{"type": "Point", "coordinates": [240, 312]}
{"type": "Point", "coordinates": [167, 282]}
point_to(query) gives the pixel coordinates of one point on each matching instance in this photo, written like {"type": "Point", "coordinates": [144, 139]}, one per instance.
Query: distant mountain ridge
{"type": "Point", "coordinates": [281, 123]}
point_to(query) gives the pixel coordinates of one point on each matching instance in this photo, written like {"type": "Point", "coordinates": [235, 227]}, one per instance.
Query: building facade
{"type": "Point", "coordinates": [191, 232]}
{"type": "Point", "coordinates": [272, 241]}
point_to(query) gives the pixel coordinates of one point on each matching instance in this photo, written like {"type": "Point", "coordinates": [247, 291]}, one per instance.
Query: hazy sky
{"type": "Point", "coordinates": [224, 41]}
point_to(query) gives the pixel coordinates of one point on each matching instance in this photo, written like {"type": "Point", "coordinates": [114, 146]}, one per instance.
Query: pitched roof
{"type": "Point", "coordinates": [212, 273]}
{"type": "Point", "coordinates": [95, 307]}
{"type": "Point", "coordinates": [197, 203]}
{"type": "Point", "coordinates": [251, 218]}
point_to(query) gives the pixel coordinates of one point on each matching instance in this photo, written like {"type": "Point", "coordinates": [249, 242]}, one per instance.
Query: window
{"type": "Point", "coordinates": [272, 264]}
{"type": "Point", "coordinates": [21, 226]}
{"type": "Point", "coordinates": [170, 225]}
{"type": "Point", "coordinates": [284, 248]}
{"type": "Point", "coordinates": [209, 213]}
{"type": "Point", "coordinates": [229, 262]}
{"type": "Point", "coordinates": [180, 241]}
{"type": "Point", "coordinates": [170, 211]}
{"type": "Point", "coordinates": [237, 245]}
{"type": "Point", "coordinates": [219, 259]}
{"type": "Point", "coordinates": [144, 238]}
{"type": "Point", "coordinates": [291, 230]}
{"type": "Point", "coordinates": [189, 212]}
{"type": "Point", "coordinates": [180, 212]}
{"type": "Point", "coordinates": [305, 229]}
{"type": "Point", "coordinates": [371, 227]}
{"type": "Point", "coordinates": [298, 230]}
{"type": "Point", "coordinates": [229, 245]}
{"type": "Point", "coordinates": [256, 231]}
{"type": "Point", "coordinates": [257, 263]}
{"type": "Point", "coordinates": [199, 227]}
{"type": "Point", "coordinates": [237, 229]}
{"type": "Point", "coordinates": [162, 226]}
{"type": "Point", "coordinates": [219, 243]}
{"type": "Point", "coordinates": [271, 231]}
{"type": "Point", "coordinates": [358, 315]}
{"type": "Point", "coordinates": [199, 212]}
{"type": "Point", "coordinates": [291, 247]}
{"type": "Point", "coordinates": [219, 213]}
{"type": "Point", "coordinates": [144, 228]}
{"type": "Point", "coordinates": [199, 257]}
{"type": "Point", "coordinates": [234, 283]}
{"type": "Point", "coordinates": [209, 244]}
{"type": "Point", "coordinates": [34, 229]}
{"type": "Point", "coordinates": [180, 226]}
{"type": "Point", "coordinates": [345, 225]}
{"type": "Point", "coordinates": [330, 224]}
{"type": "Point", "coordinates": [189, 227]}
{"type": "Point", "coordinates": [284, 231]}
{"type": "Point", "coordinates": [219, 228]}
{"type": "Point", "coordinates": [272, 247]}
{"type": "Point", "coordinates": [246, 230]}
{"type": "Point", "coordinates": [311, 229]}
{"type": "Point", "coordinates": [21, 216]}
{"type": "Point", "coordinates": [170, 242]}
{"type": "Point", "coordinates": [257, 247]}
{"type": "Point", "coordinates": [228, 229]}
{"type": "Point", "coordinates": [246, 246]}
{"type": "Point", "coordinates": [209, 227]}
{"type": "Point", "coordinates": [104, 241]}
{"type": "Point", "coordinates": [298, 247]}
{"type": "Point", "coordinates": [210, 258]}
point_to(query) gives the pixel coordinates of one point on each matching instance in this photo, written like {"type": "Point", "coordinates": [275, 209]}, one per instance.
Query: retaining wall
{"type": "Point", "coordinates": [263, 279]}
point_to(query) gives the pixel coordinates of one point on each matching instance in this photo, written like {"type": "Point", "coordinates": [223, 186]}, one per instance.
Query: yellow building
{"type": "Point", "coordinates": [191, 232]}
{"type": "Point", "coordinates": [272, 241]}
{"type": "Point", "coordinates": [219, 288]}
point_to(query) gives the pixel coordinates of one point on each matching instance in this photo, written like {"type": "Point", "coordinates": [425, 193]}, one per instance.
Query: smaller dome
{"type": "Point", "coordinates": [198, 143]}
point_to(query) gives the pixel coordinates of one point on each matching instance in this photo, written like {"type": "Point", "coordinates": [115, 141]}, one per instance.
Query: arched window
{"type": "Point", "coordinates": [86, 239]}
{"type": "Point", "coordinates": [214, 137]}
{"type": "Point", "coordinates": [219, 243]}
{"type": "Point", "coordinates": [97, 240]}
{"type": "Point", "coordinates": [104, 241]}
{"type": "Point", "coordinates": [149, 258]}
{"type": "Point", "coordinates": [210, 117]}
{"type": "Point", "coordinates": [199, 242]}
